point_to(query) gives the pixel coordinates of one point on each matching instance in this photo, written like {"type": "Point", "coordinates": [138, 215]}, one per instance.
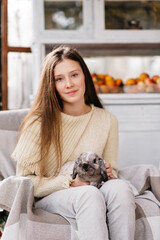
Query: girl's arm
{"type": "Point", "coordinates": [44, 186]}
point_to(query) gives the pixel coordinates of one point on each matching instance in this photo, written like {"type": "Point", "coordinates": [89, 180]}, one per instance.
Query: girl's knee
{"type": "Point", "coordinates": [92, 196]}
{"type": "Point", "coordinates": [119, 190]}
{"type": "Point", "coordinates": [91, 192]}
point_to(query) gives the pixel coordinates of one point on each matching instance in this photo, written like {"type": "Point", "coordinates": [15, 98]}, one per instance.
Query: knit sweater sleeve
{"type": "Point", "coordinates": [45, 185]}
{"type": "Point", "coordinates": [27, 156]}
{"type": "Point", "coordinates": [110, 153]}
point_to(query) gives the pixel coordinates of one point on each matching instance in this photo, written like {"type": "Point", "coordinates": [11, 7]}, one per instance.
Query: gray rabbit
{"type": "Point", "coordinates": [90, 167]}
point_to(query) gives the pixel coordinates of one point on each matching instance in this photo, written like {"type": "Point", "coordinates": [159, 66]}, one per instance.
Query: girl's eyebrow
{"type": "Point", "coordinates": [58, 75]}
{"type": "Point", "coordinates": [75, 70]}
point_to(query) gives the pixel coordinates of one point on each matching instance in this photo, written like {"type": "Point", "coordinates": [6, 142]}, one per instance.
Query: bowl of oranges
{"type": "Point", "coordinates": [143, 84]}
{"type": "Point", "coordinates": [105, 83]}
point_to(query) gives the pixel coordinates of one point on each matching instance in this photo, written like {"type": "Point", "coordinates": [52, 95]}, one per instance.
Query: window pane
{"type": "Point", "coordinates": [19, 80]}
{"type": "Point", "coordinates": [20, 23]}
{"type": "Point", "coordinates": [63, 14]}
{"type": "Point", "coordinates": [132, 14]}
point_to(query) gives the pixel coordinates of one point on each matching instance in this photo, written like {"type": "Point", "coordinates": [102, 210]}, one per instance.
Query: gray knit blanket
{"type": "Point", "coordinates": [25, 222]}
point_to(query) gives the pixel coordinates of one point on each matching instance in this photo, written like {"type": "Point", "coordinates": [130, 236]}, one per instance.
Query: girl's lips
{"type": "Point", "coordinates": [72, 92]}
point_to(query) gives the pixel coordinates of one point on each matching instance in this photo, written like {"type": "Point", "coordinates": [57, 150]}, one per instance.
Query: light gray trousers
{"type": "Point", "coordinates": [88, 205]}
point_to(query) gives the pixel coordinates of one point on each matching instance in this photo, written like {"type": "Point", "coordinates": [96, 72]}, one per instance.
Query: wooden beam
{"type": "Point", "coordinates": [19, 49]}
{"type": "Point", "coordinates": [4, 33]}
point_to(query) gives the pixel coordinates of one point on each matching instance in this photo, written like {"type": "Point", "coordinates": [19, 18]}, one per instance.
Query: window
{"type": "Point", "coordinates": [16, 49]}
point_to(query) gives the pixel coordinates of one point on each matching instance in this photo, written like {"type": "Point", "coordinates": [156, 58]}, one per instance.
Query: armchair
{"type": "Point", "coordinates": [25, 222]}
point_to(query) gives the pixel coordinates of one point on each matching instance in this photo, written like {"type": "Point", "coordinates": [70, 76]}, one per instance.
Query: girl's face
{"type": "Point", "coordinates": [70, 82]}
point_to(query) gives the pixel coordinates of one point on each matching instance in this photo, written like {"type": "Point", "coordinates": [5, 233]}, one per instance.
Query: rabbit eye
{"type": "Point", "coordinates": [94, 160]}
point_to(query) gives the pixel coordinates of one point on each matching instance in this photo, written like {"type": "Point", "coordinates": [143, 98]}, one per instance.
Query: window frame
{"type": "Point", "coordinates": [5, 50]}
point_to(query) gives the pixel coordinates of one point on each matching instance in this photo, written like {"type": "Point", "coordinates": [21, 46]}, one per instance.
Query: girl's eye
{"type": "Point", "coordinates": [58, 79]}
{"type": "Point", "coordinates": [75, 75]}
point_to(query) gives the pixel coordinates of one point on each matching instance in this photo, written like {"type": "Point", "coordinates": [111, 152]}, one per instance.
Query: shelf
{"type": "Point", "coordinates": [130, 98]}
{"type": "Point", "coordinates": [106, 49]}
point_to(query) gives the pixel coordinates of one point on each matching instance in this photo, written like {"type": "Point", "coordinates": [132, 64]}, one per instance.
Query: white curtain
{"type": "Point", "coordinates": [20, 21]}
{"type": "Point", "coordinates": [19, 80]}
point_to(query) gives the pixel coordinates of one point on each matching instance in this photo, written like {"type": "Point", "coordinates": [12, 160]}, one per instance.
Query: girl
{"type": "Point", "coordinates": [65, 120]}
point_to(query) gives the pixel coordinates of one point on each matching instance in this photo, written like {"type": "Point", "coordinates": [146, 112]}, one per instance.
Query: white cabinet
{"type": "Point", "coordinates": [89, 22]}
{"type": "Point", "coordinates": [139, 127]}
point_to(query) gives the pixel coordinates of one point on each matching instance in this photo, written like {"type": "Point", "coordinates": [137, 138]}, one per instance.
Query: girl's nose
{"type": "Point", "coordinates": [69, 82]}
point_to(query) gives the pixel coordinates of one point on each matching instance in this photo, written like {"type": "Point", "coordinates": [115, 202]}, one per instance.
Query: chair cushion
{"type": "Point", "coordinates": [8, 141]}
{"type": "Point", "coordinates": [9, 125]}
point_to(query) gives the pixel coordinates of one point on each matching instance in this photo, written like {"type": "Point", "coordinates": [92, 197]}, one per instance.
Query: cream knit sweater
{"type": "Point", "coordinates": [95, 131]}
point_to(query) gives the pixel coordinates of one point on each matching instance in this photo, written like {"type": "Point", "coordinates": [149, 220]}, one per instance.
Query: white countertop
{"type": "Point", "coordinates": [130, 98]}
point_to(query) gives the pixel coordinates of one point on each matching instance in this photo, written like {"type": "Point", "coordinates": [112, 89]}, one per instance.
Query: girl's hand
{"type": "Point", "coordinates": [109, 170]}
{"type": "Point", "coordinates": [78, 182]}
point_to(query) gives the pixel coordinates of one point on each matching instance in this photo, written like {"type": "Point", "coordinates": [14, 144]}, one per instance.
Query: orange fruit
{"type": "Point", "coordinates": [100, 79]}
{"type": "Point", "coordinates": [100, 82]}
{"type": "Point", "coordinates": [111, 84]}
{"type": "Point", "coordinates": [119, 82]}
{"type": "Point", "coordinates": [131, 81]}
{"type": "Point", "coordinates": [108, 79]}
{"type": "Point", "coordinates": [154, 78]}
{"type": "Point", "coordinates": [101, 76]}
{"type": "Point", "coordinates": [142, 76]}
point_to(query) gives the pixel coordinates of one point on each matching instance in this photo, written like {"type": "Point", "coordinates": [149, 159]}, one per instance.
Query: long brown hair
{"type": "Point", "coordinates": [47, 105]}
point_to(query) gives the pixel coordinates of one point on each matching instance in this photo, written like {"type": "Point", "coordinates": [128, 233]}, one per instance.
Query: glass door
{"type": "Point", "coordinates": [128, 21]}
{"type": "Point", "coordinates": [63, 20]}
{"type": "Point", "coordinates": [63, 15]}
{"type": "Point", "coordinates": [132, 15]}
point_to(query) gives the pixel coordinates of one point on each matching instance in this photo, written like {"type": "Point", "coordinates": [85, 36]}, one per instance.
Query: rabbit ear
{"type": "Point", "coordinates": [75, 167]}
{"type": "Point", "coordinates": [103, 170]}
